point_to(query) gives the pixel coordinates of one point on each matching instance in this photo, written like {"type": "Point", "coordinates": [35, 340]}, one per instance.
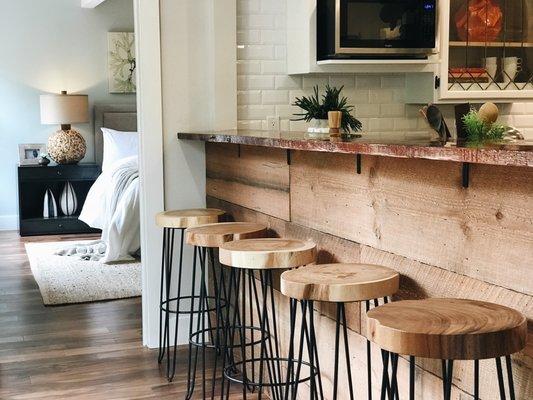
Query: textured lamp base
{"type": "Point", "coordinates": [66, 146]}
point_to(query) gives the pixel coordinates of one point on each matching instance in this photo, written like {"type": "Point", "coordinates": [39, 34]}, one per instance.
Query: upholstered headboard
{"type": "Point", "coordinates": [121, 117]}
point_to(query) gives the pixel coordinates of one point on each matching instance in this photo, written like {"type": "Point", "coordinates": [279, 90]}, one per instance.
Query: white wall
{"type": "Point", "coordinates": [198, 84]}
{"type": "Point", "coordinates": [266, 90]}
{"type": "Point", "coordinates": [49, 46]}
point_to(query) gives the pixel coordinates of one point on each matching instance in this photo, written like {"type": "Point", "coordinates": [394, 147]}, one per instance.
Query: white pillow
{"type": "Point", "coordinates": [118, 145]}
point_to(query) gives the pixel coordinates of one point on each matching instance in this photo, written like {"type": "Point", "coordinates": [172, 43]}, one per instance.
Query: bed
{"type": "Point", "coordinates": [112, 203]}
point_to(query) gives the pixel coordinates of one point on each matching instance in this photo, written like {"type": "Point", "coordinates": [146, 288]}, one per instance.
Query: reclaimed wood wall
{"type": "Point", "coordinates": [408, 214]}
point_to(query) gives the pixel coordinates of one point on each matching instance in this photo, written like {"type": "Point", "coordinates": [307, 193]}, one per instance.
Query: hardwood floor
{"type": "Point", "coordinates": [83, 351]}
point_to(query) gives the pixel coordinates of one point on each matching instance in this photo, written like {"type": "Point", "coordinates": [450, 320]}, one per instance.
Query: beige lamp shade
{"type": "Point", "coordinates": [57, 109]}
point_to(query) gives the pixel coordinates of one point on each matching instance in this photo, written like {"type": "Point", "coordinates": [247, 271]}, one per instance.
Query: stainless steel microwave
{"type": "Point", "coordinates": [377, 28]}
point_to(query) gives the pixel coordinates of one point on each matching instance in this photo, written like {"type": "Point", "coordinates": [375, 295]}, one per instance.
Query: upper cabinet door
{"type": "Point", "coordinates": [487, 49]}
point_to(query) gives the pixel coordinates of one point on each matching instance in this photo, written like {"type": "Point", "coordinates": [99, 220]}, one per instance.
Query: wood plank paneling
{"type": "Point", "coordinates": [254, 177]}
{"type": "Point", "coordinates": [418, 280]}
{"type": "Point", "coordinates": [418, 209]}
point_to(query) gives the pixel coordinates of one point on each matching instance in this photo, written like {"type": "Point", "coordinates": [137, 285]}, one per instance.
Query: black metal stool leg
{"type": "Point", "coordinates": [412, 378]}
{"type": "Point", "coordinates": [170, 253]}
{"type": "Point", "coordinates": [347, 350]}
{"type": "Point", "coordinates": [290, 364]}
{"type": "Point", "coordinates": [303, 330]}
{"type": "Point", "coordinates": [501, 383]}
{"type": "Point", "coordinates": [162, 340]}
{"type": "Point", "coordinates": [178, 300]}
{"type": "Point", "coordinates": [336, 368]}
{"type": "Point", "coordinates": [368, 360]}
{"type": "Point", "coordinates": [447, 378]}
{"type": "Point", "coordinates": [191, 373]}
{"type": "Point", "coordinates": [385, 388]}
{"type": "Point", "coordinates": [315, 347]}
{"type": "Point", "coordinates": [510, 377]}
{"type": "Point", "coordinates": [394, 376]}
{"type": "Point", "coordinates": [226, 334]}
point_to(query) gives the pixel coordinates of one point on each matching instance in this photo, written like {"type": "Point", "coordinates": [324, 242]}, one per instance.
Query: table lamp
{"type": "Point", "coordinates": [66, 146]}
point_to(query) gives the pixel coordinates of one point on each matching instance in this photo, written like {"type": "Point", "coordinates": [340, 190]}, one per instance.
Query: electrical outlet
{"type": "Point", "coordinates": [273, 123]}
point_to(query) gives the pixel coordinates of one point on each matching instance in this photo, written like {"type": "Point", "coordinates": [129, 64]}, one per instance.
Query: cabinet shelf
{"type": "Point", "coordinates": [491, 44]}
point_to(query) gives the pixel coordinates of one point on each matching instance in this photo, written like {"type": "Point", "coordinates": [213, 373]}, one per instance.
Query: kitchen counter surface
{"type": "Point", "coordinates": [380, 144]}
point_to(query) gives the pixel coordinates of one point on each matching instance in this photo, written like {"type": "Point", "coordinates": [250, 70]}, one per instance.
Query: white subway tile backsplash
{"type": "Point", "coordinates": [381, 96]}
{"type": "Point", "coordinates": [392, 110]}
{"type": "Point", "coordinates": [310, 81]}
{"type": "Point", "coordinates": [288, 82]}
{"type": "Point", "coordinates": [348, 81]}
{"type": "Point", "coordinates": [393, 81]}
{"type": "Point", "coordinates": [248, 37]}
{"type": "Point", "coordinates": [255, 112]}
{"type": "Point", "coordinates": [381, 124]}
{"type": "Point", "coordinates": [255, 52]}
{"type": "Point", "coordinates": [256, 82]}
{"type": "Point", "coordinates": [256, 21]}
{"type": "Point", "coordinates": [248, 7]}
{"type": "Point", "coordinates": [273, 67]}
{"type": "Point", "coordinates": [287, 111]}
{"type": "Point", "coordinates": [264, 88]}
{"type": "Point", "coordinates": [249, 97]}
{"type": "Point", "coordinates": [273, 6]}
{"type": "Point", "coordinates": [367, 82]}
{"type": "Point", "coordinates": [248, 68]}
{"type": "Point", "coordinates": [275, 97]}
{"type": "Point", "coordinates": [250, 125]}
{"type": "Point", "coordinates": [273, 36]}
{"type": "Point", "coordinates": [367, 110]}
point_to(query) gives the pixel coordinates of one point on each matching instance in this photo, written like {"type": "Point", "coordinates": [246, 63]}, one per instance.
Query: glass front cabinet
{"type": "Point", "coordinates": [486, 51]}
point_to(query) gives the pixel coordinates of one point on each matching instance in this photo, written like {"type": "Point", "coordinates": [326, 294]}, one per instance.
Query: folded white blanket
{"type": "Point", "coordinates": [112, 205]}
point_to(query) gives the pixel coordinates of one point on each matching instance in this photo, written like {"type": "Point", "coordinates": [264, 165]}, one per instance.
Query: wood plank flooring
{"type": "Point", "coordinates": [83, 351]}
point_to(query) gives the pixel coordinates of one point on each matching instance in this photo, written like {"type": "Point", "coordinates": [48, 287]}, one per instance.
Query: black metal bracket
{"type": "Point", "coordinates": [358, 163]}
{"type": "Point", "coordinates": [466, 174]}
{"type": "Point", "coordinates": [288, 156]}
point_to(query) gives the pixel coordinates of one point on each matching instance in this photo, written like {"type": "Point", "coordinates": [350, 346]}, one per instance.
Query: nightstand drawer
{"type": "Point", "coordinates": [63, 172]}
{"type": "Point", "coordinates": [43, 226]}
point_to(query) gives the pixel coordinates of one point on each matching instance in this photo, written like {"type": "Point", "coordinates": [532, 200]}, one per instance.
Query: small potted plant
{"type": "Point", "coordinates": [316, 112]}
{"type": "Point", "coordinates": [481, 126]}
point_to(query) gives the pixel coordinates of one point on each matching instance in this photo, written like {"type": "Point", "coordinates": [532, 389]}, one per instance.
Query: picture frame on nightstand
{"type": "Point", "coordinates": [30, 153]}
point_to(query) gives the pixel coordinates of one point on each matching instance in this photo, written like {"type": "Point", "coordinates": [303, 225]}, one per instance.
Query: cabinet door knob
{"type": "Point", "coordinates": [59, 172]}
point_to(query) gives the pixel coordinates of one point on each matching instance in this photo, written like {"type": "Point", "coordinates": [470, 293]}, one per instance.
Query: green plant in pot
{"type": "Point", "coordinates": [481, 126]}
{"type": "Point", "coordinates": [316, 109]}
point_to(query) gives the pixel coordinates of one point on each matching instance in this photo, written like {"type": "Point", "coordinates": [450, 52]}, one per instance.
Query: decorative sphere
{"type": "Point", "coordinates": [66, 147]}
{"type": "Point", "coordinates": [488, 113]}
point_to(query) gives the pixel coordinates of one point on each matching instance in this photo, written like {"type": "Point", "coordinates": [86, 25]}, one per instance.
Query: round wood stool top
{"type": "Point", "coordinates": [214, 235]}
{"type": "Point", "coordinates": [452, 329]}
{"type": "Point", "coordinates": [187, 218]}
{"type": "Point", "coordinates": [267, 253]}
{"type": "Point", "coordinates": [340, 282]}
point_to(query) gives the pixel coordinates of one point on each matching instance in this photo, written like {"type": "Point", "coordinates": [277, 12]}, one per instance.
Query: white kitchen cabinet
{"type": "Point", "coordinates": [462, 72]}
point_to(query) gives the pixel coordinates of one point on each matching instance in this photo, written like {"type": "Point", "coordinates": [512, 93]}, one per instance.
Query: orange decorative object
{"type": "Point", "coordinates": [482, 19]}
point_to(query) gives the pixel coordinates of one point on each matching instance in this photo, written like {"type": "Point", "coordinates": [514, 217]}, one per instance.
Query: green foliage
{"type": "Point", "coordinates": [331, 101]}
{"type": "Point", "coordinates": [478, 131]}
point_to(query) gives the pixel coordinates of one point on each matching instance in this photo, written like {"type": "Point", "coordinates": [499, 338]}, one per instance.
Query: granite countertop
{"type": "Point", "coordinates": [388, 144]}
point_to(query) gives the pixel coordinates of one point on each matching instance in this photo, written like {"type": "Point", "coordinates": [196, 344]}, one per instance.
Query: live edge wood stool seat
{"type": "Point", "coordinates": [449, 329]}
{"type": "Point", "coordinates": [340, 284]}
{"type": "Point", "coordinates": [205, 239]}
{"type": "Point", "coordinates": [171, 221]}
{"type": "Point", "coordinates": [250, 260]}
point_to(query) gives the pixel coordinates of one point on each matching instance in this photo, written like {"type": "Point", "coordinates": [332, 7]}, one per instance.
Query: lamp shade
{"type": "Point", "coordinates": [64, 108]}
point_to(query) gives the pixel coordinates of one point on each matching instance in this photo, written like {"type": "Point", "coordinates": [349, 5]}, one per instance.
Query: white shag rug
{"type": "Point", "coordinates": [63, 279]}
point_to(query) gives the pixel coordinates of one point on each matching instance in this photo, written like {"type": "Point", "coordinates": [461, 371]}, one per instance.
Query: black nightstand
{"type": "Point", "coordinates": [33, 182]}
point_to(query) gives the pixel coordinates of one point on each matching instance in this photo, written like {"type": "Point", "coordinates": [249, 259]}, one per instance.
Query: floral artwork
{"type": "Point", "coordinates": [121, 62]}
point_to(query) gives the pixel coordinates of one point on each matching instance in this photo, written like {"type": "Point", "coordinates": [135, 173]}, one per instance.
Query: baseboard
{"type": "Point", "coordinates": [9, 222]}
{"type": "Point", "coordinates": [183, 330]}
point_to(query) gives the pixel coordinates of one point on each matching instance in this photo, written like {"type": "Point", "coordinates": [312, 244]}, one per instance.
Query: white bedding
{"type": "Point", "coordinates": [112, 205]}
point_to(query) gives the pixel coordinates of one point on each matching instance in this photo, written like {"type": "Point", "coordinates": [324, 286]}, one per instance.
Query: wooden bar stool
{"type": "Point", "coordinates": [171, 221]}
{"type": "Point", "coordinates": [449, 330]}
{"type": "Point", "coordinates": [258, 257]}
{"type": "Point", "coordinates": [206, 238]}
{"type": "Point", "coordinates": [340, 284]}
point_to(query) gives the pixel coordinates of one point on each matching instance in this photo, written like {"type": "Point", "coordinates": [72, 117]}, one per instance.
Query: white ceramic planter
{"type": "Point", "coordinates": [318, 127]}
